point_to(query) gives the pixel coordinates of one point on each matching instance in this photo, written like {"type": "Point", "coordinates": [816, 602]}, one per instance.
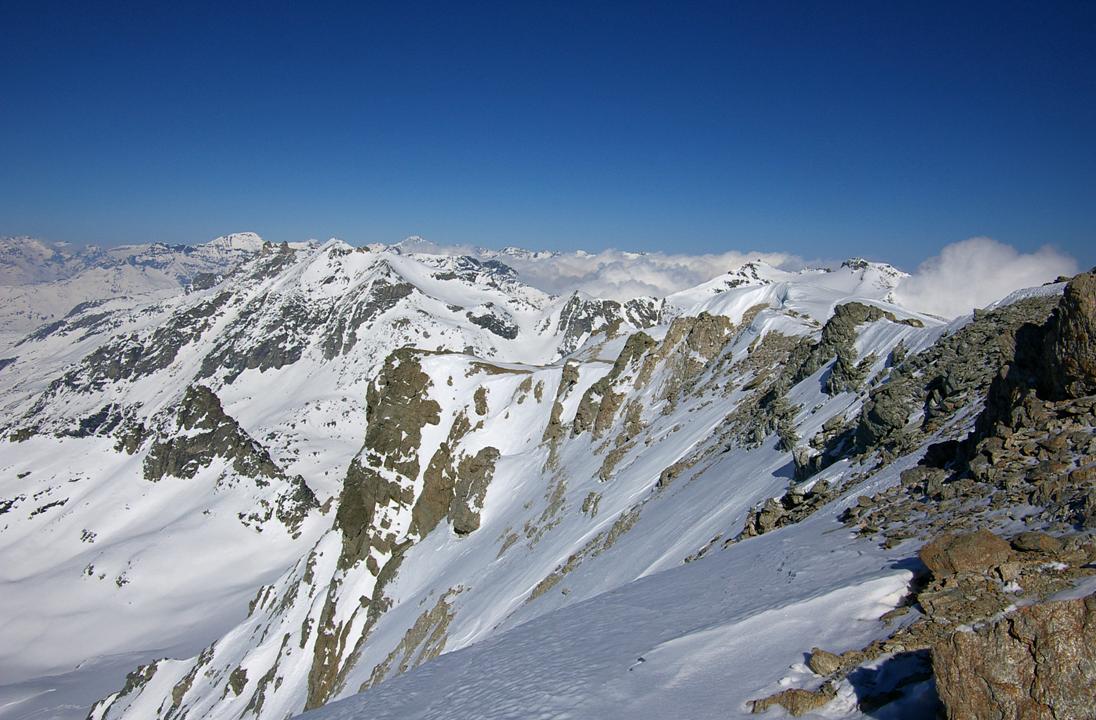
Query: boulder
{"type": "Point", "coordinates": [1037, 542]}
{"type": "Point", "coordinates": [824, 663]}
{"type": "Point", "coordinates": [976, 552]}
{"type": "Point", "coordinates": [796, 701]}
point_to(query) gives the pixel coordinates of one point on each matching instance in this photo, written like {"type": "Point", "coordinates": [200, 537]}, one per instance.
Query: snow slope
{"type": "Point", "coordinates": [698, 641]}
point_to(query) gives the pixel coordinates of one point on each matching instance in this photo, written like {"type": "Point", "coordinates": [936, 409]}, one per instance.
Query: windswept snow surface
{"type": "Point", "coordinates": [698, 641]}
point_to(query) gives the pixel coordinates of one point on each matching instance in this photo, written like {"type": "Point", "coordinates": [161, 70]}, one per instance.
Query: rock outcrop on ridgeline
{"type": "Point", "coordinates": [1030, 459]}
{"type": "Point", "coordinates": [1070, 349]}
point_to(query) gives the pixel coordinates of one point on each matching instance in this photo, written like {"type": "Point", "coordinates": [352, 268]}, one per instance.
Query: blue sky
{"type": "Point", "coordinates": [822, 129]}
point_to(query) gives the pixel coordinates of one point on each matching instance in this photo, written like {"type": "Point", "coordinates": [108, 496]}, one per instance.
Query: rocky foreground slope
{"type": "Point", "coordinates": [461, 497]}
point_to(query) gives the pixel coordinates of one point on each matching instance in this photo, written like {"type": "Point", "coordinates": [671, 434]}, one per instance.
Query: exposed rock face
{"type": "Point", "coordinates": [838, 338]}
{"type": "Point", "coordinates": [497, 322]}
{"type": "Point", "coordinates": [582, 315]}
{"type": "Point", "coordinates": [383, 295]}
{"type": "Point", "coordinates": [212, 434]}
{"type": "Point", "coordinates": [381, 478]}
{"type": "Point", "coordinates": [599, 404]}
{"type": "Point", "coordinates": [473, 476]}
{"type": "Point", "coordinates": [823, 662]}
{"type": "Point", "coordinates": [1037, 542]}
{"type": "Point", "coordinates": [791, 507]}
{"type": "Point", "coordinates": [398, 408]}
{"type": "Point", "coordinates": [207, 432]}
{"type": "Point", "coordinates": [1032, 446]}
{"type": "Point", "coordinates": [134, 356]}
{"type": "Point", "coordinates": [1025, 449]}
{"type": "Point", "coordinates": [379, 483]}
{"type": "Point", "coordinates": [1071, 340]}
{"type": "Point", "coordinates": [1036, 663]}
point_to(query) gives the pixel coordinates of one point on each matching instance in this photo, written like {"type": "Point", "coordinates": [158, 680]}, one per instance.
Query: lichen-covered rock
{"type": "Point", "coordinates": [822, 662]}
{"type": "Point", "coordinates": [1037, 663]}
{"type": "Point", "coordinates": [977, 552]}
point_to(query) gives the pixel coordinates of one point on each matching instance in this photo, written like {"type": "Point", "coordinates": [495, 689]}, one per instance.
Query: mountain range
{"type": "Point", "coordinates": [248, 480]}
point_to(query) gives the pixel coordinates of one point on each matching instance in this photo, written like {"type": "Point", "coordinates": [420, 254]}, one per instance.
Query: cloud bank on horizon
{"type": "Point", "coordinates": [976, 272]}
{"type": "Point", "coordinates": [613, 274]}
{"type": "Point", "coordinates": [620, 275]}
{"type": "Point", "coordinates": [965, 275]}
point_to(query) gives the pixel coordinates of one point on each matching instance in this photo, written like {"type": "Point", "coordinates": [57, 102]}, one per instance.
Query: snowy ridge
{"type": "Point", "coordinates": [401, 456]}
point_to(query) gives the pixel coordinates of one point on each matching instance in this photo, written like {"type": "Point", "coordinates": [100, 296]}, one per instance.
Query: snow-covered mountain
{"type": "Point", "coordinates": [41, 281]}
{"type": "Point", "coordinates": [385, 471]}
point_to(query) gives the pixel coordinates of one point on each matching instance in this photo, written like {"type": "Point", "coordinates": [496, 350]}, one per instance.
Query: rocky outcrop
{"type": "Point", "coordinates": [137, 355]}
{"type": "Point", "coordinates": [496, 321]}
{"type": "Point", "coordinates": [200, 432]}
{"type": "Point", "coordinates": [380, 487]}
{"type": "Point", "coordinates": [599, 404]}
{"type": "Point", "coordinates": [397, 410]}
{"type": "Point", "coordinates": [1070, 349]}
{"type": "Point", "coordinates": [474, 474]}
{"type": "Point", "coordinates": [969, 634]}
{"type": "Point", "coordinates": [269, 333]}
{"type": "Point", "coordinates": [383, 295]}
{"type": "Point", "coordinates": [379, 484]}
{"type": "Point", "coordinates": [581, 316]}
{"type": "Point", "coordinates": [1037, 663]}
{"type": "Point", "coordinates": [791, 507]}
{"type": "Point", "coordinates": [837, 341]}
{"type": "Point", "coordinates": [207, 433]}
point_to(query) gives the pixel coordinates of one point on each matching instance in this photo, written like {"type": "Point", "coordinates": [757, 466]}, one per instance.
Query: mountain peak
{"type": "Point", "coordinates": [245, 241]}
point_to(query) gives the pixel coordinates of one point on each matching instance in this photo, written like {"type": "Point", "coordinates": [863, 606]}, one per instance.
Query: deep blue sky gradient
{"type": "Point", "coordinates": [824, 129]}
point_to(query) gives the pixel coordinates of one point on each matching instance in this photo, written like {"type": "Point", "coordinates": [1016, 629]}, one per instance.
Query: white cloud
{"type": "Point", "coordinates": [976, 272]}
{"type": "Point", "coordinates": [614, 274]}
{"type": "Point", "coordinates": [965, 275]}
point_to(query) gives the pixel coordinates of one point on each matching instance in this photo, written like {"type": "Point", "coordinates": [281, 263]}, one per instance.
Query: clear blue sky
{"type": "Point", "coordinates": [825, 129]}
